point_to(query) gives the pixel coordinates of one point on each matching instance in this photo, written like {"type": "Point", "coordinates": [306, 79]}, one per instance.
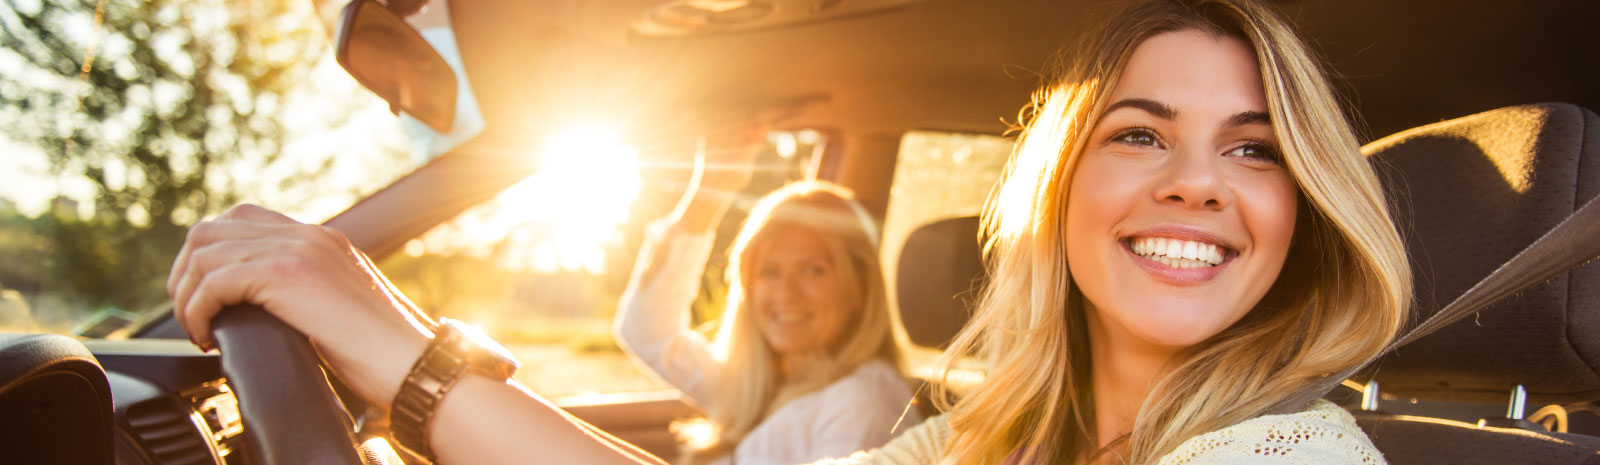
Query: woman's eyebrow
{"type": "Point", "coordinates": [1157, 109]}
{"type": "Point", "coordinates": [1166, 112]}
{"type": "Point", "coordinates": [1248, 117]}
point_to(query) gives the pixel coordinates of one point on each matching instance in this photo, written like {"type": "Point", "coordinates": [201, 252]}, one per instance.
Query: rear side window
{"type": "Point", "coordinates": [938, 176]}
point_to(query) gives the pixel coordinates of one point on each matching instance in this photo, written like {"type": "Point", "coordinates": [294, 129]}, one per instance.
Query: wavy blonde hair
{"type": "Point", "coordinates": [748, 387]}
{"type": "Point", "coordinates": [1343, 293]}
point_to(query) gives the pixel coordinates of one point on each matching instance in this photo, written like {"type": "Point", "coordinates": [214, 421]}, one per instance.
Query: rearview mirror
{"type": "Point", "coordinates": [390, 58]}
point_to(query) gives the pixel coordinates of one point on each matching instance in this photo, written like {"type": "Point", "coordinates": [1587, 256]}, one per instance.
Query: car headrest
{"type": "Point", "coordinates": [937, 279]}
{"type": "Point", "coordinates": [1470, 193]}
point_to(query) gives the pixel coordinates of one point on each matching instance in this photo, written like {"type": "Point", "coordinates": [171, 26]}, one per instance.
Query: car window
{"type": "Point", "coordinates": [938, 176]}
{"type": "Point", "coordinates": [122, 126]}
{"type": "Point", "coordinates": [542, 266]}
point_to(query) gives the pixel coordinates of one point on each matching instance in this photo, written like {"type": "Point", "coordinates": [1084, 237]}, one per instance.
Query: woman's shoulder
{"type": "Point", "coordinates": [1321, 434]}
{"type": "Point", "coordinates": [920, 445]}
{"type": "Point", "coordinates": [875, 375]}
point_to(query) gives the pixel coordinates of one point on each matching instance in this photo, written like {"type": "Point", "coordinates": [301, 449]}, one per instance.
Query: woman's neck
{"type": "Point", "coordinates": [789, 367]}
{"type": "Point", "coordinates": [1123, 373]}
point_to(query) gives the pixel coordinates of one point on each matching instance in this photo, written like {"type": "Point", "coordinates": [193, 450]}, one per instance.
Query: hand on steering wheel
{"type": "Point", "coordinates": [310, 277]}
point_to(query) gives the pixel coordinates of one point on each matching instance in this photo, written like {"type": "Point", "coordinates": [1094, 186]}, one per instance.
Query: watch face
{"type": "Point", "coordinates": [487, 357]}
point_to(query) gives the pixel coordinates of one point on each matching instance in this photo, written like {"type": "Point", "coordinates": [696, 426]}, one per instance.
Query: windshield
{"type": "Point", "coordinates": [124, 122]}
{"type": "Point", "coordinates": [123, 132]}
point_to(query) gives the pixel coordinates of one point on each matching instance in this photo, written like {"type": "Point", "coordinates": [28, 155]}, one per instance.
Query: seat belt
{"type": "Point", "coordinates": [1572, 242]}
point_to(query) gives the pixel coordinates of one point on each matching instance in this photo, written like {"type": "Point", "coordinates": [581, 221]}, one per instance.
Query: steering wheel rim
{"type": "Point", "coordinates": [290, 412]}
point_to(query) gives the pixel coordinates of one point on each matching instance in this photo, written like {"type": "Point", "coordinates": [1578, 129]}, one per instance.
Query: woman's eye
{"type": "Point", "coordinates": [1137, 136]}
{"type": "Point", "coordinates": [767, 273]}
{"type": "Point", "coordinates": [1256, 151]}
{"type": "Point", "coordinates": [817, 270]}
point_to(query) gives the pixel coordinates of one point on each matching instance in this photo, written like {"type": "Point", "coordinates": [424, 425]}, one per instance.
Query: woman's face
{"type": "Point", "coordinates": [1180, 212]}
{"type": "Point", "coordinates": [801, 304]}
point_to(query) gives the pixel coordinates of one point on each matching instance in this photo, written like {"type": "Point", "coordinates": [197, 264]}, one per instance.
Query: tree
{"type": "Point", "coordinates": [162, 104]}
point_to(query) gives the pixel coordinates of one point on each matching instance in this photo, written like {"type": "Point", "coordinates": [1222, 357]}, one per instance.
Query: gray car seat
{"type": "Point", "coordinates": [1469, 193]}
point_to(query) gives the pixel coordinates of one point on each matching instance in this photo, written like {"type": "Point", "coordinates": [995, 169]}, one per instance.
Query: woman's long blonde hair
{"type": "Point", "coordinates": [1343, 293]}
{"type": "Point", "coordinates": [749, 386]}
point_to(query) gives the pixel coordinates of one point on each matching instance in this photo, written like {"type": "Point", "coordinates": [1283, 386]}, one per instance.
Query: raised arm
{"type": "Point", "coordinates": [723, 167]}
{"type": "Point", "coordinates": [653, 318]}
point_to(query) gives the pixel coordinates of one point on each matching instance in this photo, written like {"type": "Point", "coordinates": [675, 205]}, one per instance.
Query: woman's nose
{"type": "Point", "coordinates": [786, 286]}
{"type": "Point", "coordinates": [1193, 179]}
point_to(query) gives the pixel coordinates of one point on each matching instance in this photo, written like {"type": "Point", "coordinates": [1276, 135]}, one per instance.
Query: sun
{"type": "Point", "coordinates": [562, 217]}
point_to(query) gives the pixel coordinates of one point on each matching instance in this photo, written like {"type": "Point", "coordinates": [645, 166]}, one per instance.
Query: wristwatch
{"type": "Point", "coordinates": [457, 349]}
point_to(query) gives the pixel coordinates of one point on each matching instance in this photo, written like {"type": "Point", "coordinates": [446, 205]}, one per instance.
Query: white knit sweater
{"type": "Point", "coordinates": [1322, 434]}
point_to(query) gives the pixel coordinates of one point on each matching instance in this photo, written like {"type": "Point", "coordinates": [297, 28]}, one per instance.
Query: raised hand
{"type": "Point", "coordinates": [724, 163]}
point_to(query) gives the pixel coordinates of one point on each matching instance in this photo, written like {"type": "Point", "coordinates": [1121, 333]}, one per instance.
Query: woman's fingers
{"type": "Point", "coordinates": [735, 145]}
{"type": "Point", "coordinates": [233, 284]}
{"type": "Point", "coordinates": [248, 212]}
{"type": "Point", "coordinates": [206, 259]}
{"type": "Point", "coordinates": [231, 228]}
{"type": "Point", "coordinates": [238, 241]}
{"type": "Point", "coordinates": [726, 159]}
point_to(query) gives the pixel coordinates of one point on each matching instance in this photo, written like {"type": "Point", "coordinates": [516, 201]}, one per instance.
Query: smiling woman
{"type": "Point", "coordinates": [1182, 125]}
{"type": "Point", "coordinates": [1230, 138]}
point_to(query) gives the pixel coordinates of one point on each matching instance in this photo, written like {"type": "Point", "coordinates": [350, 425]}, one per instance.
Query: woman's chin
{"type": "Point", "coordinates": [1179, 328]}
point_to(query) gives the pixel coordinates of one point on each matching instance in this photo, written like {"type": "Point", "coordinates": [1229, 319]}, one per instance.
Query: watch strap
{"type": "Point", "coordinates": [456, 350]}
{"type": "Point", "coordinates": [430, 378]}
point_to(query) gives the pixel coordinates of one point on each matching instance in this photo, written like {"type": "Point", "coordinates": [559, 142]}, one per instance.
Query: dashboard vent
{"type": "Point", "coordinates": [171, 433]}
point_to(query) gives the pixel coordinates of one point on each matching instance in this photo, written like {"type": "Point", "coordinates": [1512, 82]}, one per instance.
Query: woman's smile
{"type": "Point", "coordinates": [1179, 255]}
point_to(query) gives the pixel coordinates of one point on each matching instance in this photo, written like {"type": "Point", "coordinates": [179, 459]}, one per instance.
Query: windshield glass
{"type": "Point", "coordinates": [124, 122]}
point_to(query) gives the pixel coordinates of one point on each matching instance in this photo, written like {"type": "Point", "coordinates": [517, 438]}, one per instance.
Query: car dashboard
{"type": "Point", "coordinates": [172, 405]}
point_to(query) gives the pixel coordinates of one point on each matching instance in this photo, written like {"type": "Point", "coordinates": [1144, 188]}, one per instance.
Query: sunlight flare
{"type": "Point", "coordinates": [574, 205]}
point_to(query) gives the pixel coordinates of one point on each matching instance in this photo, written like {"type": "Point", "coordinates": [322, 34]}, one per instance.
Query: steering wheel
{"type": "Point", "coordinates": [290, 412]}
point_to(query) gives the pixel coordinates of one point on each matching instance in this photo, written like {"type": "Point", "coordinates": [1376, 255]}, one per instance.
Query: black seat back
{"type": "Point", "coordinates": [1469, 194]}
{"type": "Point", "coordinates": [937, 279]}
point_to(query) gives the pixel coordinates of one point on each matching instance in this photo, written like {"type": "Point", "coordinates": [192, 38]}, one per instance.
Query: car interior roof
{"type": "Point", "coordinates": [967, 66]}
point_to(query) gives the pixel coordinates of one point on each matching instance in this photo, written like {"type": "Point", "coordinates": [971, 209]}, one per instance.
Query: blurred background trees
{"type": "Point", "coordinates": [170, 109]}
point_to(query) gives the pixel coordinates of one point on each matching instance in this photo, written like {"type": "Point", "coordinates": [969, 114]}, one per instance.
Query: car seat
{"type": "Point", "coordinates": [1468, 194]}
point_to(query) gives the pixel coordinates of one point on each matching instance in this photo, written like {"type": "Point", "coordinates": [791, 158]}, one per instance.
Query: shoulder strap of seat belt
{"type": "Point", "coordinates": [1570, 243]}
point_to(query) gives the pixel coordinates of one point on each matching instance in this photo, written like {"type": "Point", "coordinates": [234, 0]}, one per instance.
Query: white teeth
{"type": "Point", "coordinates": [1178, 253]}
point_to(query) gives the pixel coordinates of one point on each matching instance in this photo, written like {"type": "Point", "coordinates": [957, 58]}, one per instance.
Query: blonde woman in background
{"type": "Point", "coordinates": [805, 364]}
{"type": "Point", "coordinates": [1186, 234]}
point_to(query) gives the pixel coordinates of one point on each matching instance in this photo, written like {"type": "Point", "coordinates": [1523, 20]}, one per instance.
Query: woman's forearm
{"type": "Point", "coordinates": [702, 206]}
{"type": "Point", "coordinates": [484, 422]}
{"type": "Point", "coordinates": [724, 163]}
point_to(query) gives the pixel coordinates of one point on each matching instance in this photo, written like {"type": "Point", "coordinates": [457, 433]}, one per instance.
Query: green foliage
{"type": "Point", "coordinates": [162, 105]}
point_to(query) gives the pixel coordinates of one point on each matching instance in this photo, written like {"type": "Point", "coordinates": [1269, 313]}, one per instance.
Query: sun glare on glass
{"type": "Point", "coordinates": [562, 217]}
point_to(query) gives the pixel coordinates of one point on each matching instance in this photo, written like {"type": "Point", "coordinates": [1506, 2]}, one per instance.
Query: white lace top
{"type": "Point", "coordinates": [1322, 434]}
{"type": "Point", "coordinates": [856, 412]}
